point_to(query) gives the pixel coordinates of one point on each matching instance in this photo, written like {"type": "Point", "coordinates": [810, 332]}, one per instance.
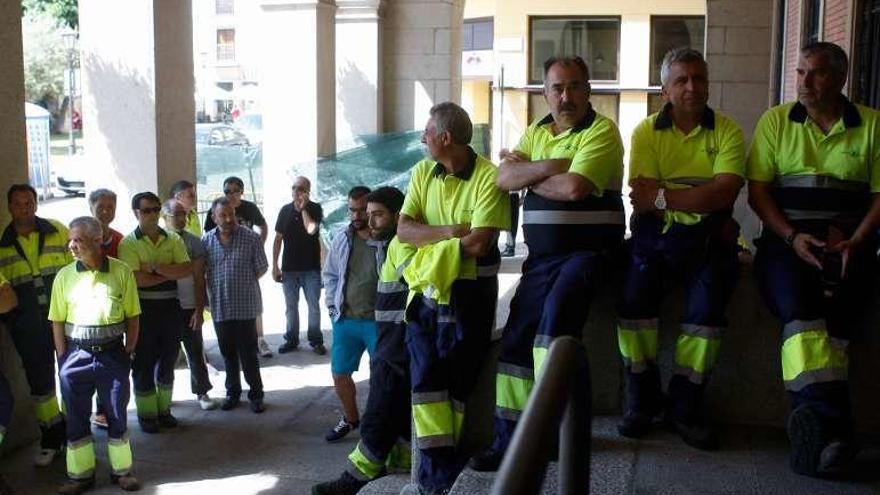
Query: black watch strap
{"type": "Point", "coordinates": [789, 239]}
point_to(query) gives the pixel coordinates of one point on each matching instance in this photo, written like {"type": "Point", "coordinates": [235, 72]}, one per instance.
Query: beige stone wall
{"type": "Point", "coordinates": [138, 106]}
{"type": "Point", "coordinates": [12, 138]}
{"type": "Point", "coordinates": [422, 59]}
{"type": "Point", "coordinates": [738, 52]}
{"type": "Point", "coordinates": [175, 83]}
{"type": "Point", "coordinates": [13, 168]}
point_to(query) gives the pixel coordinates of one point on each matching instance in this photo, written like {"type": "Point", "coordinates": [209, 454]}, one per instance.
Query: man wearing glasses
{"type": "Point", "coordinates": [248, 215]}
{"type": "Point", "coordinates": [246, 212]}
{"type": "Point", "coordinates": [185, 192]}
{"type": "Point", "coordinates": [158, 259]}
{"type": "Point", "coordinates": [191, 294]}
{"type": "Point", "coordinates": [297, 229]}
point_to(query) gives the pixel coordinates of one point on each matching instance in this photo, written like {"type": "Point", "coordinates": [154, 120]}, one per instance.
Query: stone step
{"type": "Point", "coordinates": [392, 484]}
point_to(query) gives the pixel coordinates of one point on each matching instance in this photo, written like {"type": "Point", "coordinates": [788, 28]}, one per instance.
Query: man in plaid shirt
{"type": "Point", "coordinates": [234, 263]}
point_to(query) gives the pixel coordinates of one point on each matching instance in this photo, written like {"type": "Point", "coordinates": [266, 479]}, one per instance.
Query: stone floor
{"type": "Point", "coordinates": [283, 451]}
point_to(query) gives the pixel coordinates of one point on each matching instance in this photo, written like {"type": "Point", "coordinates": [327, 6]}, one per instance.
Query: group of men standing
{"type": "Point", "coordinates": [112, 307]}
{"type": "Point", "coordinates": [813, 169]}
{"type": "Point", "coordinates": [414, 279]}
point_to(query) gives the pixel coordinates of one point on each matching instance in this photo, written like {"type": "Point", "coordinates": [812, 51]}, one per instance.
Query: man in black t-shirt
{"type": "Point", "coordinates": [297, 229]}
{"type": "Point", "coordinates": [248, 215]}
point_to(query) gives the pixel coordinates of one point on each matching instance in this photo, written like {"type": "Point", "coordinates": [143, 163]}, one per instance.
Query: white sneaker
{"type": "Point", "coordinates": [263, 347]}
{"type": "Point", "coordinates": [207, 403]}
{"type": "Point", "coordinates": [45, 457]}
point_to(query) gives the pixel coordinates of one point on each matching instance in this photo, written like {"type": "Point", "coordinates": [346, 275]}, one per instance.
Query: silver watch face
{"type": "Point", "coordinates": [660, 200]}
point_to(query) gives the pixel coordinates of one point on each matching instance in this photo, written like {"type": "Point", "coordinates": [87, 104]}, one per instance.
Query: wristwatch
{"type": "Point", "coordinates": [660, 200]}
{"type": "Point", "coordinates": [153, 269]}
{"type": "Point", "coordinates": [789, 239]}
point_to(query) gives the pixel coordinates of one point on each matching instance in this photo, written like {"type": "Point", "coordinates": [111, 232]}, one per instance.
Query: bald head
{"type": "Point", "coordinates": [302, 183]}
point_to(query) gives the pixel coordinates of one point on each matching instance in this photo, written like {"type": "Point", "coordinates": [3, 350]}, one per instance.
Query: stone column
{"type": "Point", "coordinates": [422, 59]}
{"type": "Point", "coordinates": [299, 93]}
{"type": "Point", "coordinates": [13, 143]}
{"type": "Point", "coordinates": [22, 430]}
{"type": "Point", "coordinates": [138, 107]}
{"type": "Point", "coordinates": [358, 70]}
{"type": "Point", "coordinates": [738, 49]}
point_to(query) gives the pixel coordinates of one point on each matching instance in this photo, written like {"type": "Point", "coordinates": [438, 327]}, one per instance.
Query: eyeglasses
{"type": "Point", "coordinates": [230, 192]}
{"type": "Point", "coordinates": [300, 189]}
{"type": "Point", "coordinates": [176, 214]}
{"type": "Point", "coordinates": [151, 209]}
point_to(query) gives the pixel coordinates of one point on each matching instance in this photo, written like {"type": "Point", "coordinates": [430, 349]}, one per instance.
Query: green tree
{"type": "Point", "coordinates": [66, 11]}
{"type": "Point", "coordinates": [45, 59]}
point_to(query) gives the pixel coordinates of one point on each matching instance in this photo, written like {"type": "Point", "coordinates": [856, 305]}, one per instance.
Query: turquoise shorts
{"type": "Point", "coordinates": [350, 339]}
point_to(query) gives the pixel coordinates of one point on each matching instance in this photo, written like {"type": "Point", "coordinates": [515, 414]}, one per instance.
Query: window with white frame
{"type": "Point", "coordinates": [477, 34]}
{"type": "Point", "coordinates": [595, 39]}
{"type": "Point", "coordinates": [224, 7]}
{"type": "Point", "coordinates": [668, 32]}
{"type": "Point", "coordinates": [225, 45]}
{"type": "Point", "coordinates": [812, 21]}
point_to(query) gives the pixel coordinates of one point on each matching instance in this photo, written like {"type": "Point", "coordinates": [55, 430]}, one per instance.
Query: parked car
{"type": "Point", "coordinates": [69, 177]}
{"type": "Point", "coordinates": [220, 135]}
{"type": "Point", "coordinates": [251, 125]}
{"type": "Point", "coordinates": [221, 151]}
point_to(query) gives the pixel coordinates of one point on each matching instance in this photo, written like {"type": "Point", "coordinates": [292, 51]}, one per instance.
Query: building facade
{"type": "Point", "coordinates": [505, 43]}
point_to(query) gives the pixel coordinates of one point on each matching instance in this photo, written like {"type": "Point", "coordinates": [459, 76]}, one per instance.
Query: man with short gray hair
{"type": "Point", "coordinates": [102, 203]}
{"type": "Point", "coordinates": [191, 294]}
{"type": "Point", "coordinates": [686, 169]}
{"type": "Point", "coordinates": [452, 212]}
{"type": "Point", "coordinates": [95, 315]}
{"type": "Point", "coordinates": [814, 180]}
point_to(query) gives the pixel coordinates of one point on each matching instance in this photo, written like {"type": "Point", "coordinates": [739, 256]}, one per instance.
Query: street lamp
{"type": "Point", "coordinates": [70, 36]}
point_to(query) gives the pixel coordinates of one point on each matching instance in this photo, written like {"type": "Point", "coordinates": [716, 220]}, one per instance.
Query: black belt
{"type": "Point", "coordinates": [93, 346]}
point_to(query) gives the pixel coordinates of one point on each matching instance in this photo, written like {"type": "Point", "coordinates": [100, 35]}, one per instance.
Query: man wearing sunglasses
{"type": "Point", "coordinates": [246, 212]}
{"type": "Point", "coordinates": [158, 259]}
{"type": "Point", "coordinates": [248, 215]}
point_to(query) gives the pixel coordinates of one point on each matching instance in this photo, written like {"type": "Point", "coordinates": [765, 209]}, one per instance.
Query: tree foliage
{"type": "Point", "coordinates": [66, 11]}
{"type": "Point", "coordinates": [45, 58]}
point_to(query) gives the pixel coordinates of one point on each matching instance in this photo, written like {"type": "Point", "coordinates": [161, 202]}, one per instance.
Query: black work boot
{"type": "Point", "coordinates": [486, 461]}
{"type": "Point", "coordinates": [807, 435]}
{"type": "Point", "coordinates": [346, 484]}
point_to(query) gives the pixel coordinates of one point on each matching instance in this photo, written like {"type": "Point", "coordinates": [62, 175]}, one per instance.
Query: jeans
{"type": "Point", "coordinates": [310, 282]}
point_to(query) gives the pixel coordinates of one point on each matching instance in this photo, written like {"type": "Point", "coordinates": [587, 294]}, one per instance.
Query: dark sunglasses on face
{"type": "Point", "coordinates": [230, 192]}
{"type": "Point", "coordinates": [151, 209]}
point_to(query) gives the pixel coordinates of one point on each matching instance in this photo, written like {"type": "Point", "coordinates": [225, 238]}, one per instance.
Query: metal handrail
{"type": "Point", "coordinates": [559, 404]}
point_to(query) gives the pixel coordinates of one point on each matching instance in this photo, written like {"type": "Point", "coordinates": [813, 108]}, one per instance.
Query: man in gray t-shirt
{"type": "Point", "coordinates": [191, 293]}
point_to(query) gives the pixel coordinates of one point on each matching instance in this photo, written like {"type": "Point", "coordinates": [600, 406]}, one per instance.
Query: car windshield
{"type": "Point", "coordinates": [250, 122]}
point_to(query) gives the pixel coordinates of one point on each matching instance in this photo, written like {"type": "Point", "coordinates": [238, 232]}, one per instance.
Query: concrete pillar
{"type": "Point", "coordinates": [422, 59]}
{"type": "Point", "coordinates": [358, 70]}
{"type": "Point", "coordinates": [738, 46]}
{"type": "Point", "coordinates": [14, 167]}
{"type": "Point", "coordinates": [138, 107]}
{"type": "Point", "coordinates": [299, 95]}
{"type": "Point", "coordinates": [13, 143]}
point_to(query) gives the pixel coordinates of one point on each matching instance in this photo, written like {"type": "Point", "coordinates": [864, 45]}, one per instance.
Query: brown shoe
{"type": "Point", "coordinates": [75, 487]}
{"type": "Point", "coordinates": [127, 482]}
